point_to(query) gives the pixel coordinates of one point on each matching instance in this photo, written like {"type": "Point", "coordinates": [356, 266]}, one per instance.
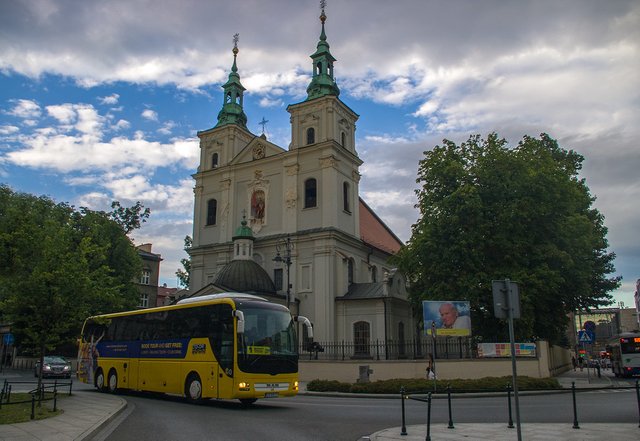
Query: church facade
{"type": "Point", "coordinates": [266, 215]}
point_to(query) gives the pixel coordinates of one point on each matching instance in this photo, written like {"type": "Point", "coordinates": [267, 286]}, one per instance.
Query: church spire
{"type": "Point", "coordinates": [322, 82]}
{"type": "Point", "coordinates": [232, 112]}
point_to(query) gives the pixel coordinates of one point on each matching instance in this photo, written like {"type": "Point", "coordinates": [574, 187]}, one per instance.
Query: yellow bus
{"type": "Point", "coordinates": [223, 346]}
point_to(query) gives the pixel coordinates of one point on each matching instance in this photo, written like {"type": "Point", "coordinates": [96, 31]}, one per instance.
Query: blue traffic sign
{"type": "Point", "coordinates": [584, 337]}
{"type": "Point", "coordinates": [8, 339]}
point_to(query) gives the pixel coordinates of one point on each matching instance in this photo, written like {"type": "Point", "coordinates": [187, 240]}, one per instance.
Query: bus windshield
{"type": "Point", "coordinates": [269, 341]}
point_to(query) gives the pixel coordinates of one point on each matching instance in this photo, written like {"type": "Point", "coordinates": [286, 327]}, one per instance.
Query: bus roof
{"type": "Point", "coordinates": [185, 302]}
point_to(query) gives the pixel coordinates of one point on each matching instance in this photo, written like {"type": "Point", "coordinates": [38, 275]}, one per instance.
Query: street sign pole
{"type": "Point", "coordinates": [509, 300]}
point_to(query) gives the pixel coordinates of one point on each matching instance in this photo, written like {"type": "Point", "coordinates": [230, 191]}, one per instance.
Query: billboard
{"type": "Point", "coordinates": [447, 317]}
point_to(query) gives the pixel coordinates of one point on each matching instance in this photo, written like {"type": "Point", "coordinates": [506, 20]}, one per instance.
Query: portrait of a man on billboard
{"type": "Point", "coordinates": [450, 317]}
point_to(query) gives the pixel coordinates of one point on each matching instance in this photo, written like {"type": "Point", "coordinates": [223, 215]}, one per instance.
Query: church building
{"type": "Point", "coordinates": [288, 223]}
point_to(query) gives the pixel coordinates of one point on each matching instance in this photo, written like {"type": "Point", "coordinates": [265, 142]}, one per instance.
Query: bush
{"type": "Point", "coordinates": [486, 384]}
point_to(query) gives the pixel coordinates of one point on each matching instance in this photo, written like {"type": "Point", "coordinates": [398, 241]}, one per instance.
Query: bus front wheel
{"type": "Point", "coordinates": [99, 380]}
{"type": "Point", "coordinates": [248, 401]}
{"type": "Point", "coordinates": [193, 388]}
{"type": "Point", "coordinates": [113, 381]}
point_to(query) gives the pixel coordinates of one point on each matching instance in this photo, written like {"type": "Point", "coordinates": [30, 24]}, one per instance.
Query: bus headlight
{"type": "Point", "coordinates": [244, 386]}
{"type": "Point", "coordinates": [295, 385]}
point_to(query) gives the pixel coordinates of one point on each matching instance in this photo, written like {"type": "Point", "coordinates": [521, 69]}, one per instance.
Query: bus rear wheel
{"type": "Point", "coordinates": [113, 381]}
{"type": "Point", "coordinates": [193, 388]}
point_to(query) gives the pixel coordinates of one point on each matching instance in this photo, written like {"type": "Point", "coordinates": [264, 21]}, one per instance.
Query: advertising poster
{"type": "Point", "coordinates": [451, 318]}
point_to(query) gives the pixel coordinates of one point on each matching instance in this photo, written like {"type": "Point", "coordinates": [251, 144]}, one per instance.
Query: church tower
{"type": "Point", "coordinates": [322, 126]}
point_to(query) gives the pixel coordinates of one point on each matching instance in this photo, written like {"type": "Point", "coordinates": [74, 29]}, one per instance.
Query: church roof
{"type": "Point", "coordinates": [245, 276]}
{"type": "Point", "coordinates": [374, 232]}
{"type": "Point", "coordinates": [359, 291]}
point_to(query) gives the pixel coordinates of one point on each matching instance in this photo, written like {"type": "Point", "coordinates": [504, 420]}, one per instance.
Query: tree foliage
{"type": "Point", "coordinates": [492, 212]}
{"type": "Point", "coordinates": [58, 265]}
{"type": "Point", "coordinates": [129, 218]}
{"type": "Point", "coordinates": [185, 273]}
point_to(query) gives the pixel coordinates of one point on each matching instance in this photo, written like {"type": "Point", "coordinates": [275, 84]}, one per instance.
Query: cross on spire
{"type": "Point", "coordinates": [263, 123]}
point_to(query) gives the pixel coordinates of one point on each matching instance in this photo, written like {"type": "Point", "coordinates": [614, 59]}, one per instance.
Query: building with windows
{"type": "Point", "coordinates": [148, 283]}
{"type": "Point", "coordinates": [289, 224]}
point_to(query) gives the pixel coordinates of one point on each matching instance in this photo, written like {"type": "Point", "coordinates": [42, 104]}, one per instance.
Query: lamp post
{"type": "Point", "coordinates": [285, 246]}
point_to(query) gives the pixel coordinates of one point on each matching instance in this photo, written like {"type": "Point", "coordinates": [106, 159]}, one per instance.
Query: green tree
{"type": "Point", "coordinates": [58, 265]}
{"type": "Point", "coordinates": [129, 218]}
{"type": "Point", "coordinates": [491, 212]}
{"type": "Point", "coordinates": [185, 274]}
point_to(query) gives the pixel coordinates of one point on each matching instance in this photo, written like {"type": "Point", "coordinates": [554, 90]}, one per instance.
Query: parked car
{"type": "Point", "coordinates": [53, 366]}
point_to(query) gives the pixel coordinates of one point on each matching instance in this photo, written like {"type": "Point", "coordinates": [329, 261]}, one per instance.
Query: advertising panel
{"type": "Point", "coordinates": [449, 317]}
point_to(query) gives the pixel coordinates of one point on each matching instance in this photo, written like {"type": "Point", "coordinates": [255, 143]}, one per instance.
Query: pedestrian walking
{"type": "Point", "coordinates": [574, 363]}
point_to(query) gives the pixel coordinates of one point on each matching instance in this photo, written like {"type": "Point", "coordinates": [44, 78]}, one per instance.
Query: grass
{"type": "Point", "coordinates": [414, 385]}
{"type": "Point", "coordinates": [20, 412]}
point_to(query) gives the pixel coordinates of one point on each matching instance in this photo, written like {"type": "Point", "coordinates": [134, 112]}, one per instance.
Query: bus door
{"type": "Point", "coordinates": [226, 371]}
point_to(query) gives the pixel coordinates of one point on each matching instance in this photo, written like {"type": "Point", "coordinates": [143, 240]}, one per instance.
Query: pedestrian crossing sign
{"type": "Point", "coordinates": [584, 337]}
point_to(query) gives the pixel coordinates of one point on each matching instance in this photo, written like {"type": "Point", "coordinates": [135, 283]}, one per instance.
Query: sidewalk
{"type": "Point", "coordinates": [86, 412]}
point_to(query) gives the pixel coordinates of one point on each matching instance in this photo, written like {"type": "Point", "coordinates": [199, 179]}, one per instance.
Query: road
{"type": "Point", "coordinates": [336, 418]}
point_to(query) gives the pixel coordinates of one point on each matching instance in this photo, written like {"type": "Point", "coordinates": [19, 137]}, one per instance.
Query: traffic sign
{"type": "Point", "coordinates": [8, 339]}
{"type": "Point", "coordinates": [584, 337]}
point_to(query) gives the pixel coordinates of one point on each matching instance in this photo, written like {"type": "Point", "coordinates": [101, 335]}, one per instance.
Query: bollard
{"type": "Point", "coordinates": [70, 386]}
{"type": "Point", "coordinates": [403, 431]}
{"type": "Point", "coordinates": [55, 400]}
{"type": "Point", "coordinates": [33, 406]}
{"type": "Point", "coordinates": [510, 425]}
{"type": "Point", "coordinates": [575, 409]}
{"type": "Point", "coordinates": [450, 426]}
{"type": "Point", "coordinates": [428, 438]}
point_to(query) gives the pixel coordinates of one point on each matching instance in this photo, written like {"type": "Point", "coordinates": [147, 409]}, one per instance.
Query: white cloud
{"type": "Point", "coordinates": [8, 130]}
{"type": "Point", "coordinates": [109, 100]}
{"type": "Point", "coordinates": [26, 109]}
{"type": "Point", "coordinates": [150, 115]}
{"type": "Point", "coordinates": [64, 113]}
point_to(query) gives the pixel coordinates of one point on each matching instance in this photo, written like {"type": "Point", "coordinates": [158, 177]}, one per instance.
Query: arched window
{"type": "Point", "coordinates": [214, 160]}
{"type": "Point", "coordinates": [361, 338]}
{"type": "Point", "coordinates": [310, 193]}
{"type": "Point", "coordinates": [350, 271]}
{"type": "Point", "coordinates": [311, 135]}
{"type": "Point", "coordinates": [318, 68]}
{"type": "Point", "coordinates": [228, 97]}
{"type": "Point", "coordinates": [374, 274]}
{"type": "Point", "coordinates": [343, 139]}
{"type": "Point", "coordinates": [346, 197]}
{"type": "Point", "coordinates": [212, 207]}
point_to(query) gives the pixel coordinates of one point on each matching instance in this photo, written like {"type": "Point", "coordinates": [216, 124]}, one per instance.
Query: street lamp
{"type": "Point", "coordinates": [285, 246]}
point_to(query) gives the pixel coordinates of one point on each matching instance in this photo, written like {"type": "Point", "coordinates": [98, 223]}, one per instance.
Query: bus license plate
{"type": "Point", "coordinates": [271, 395]}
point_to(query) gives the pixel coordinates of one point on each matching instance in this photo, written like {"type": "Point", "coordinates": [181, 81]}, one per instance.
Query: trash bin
{"type": "Point", "coordinates": [364, 373]}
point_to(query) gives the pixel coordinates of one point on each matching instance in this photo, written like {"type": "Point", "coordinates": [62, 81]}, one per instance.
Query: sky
{"type": "Point", "coordinates": [102, 101]}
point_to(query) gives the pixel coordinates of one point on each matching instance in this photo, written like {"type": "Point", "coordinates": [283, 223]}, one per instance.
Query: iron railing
{"type": "Point", "coordinates": [447, 348]}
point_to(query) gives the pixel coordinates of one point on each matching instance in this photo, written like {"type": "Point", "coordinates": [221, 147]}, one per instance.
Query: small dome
{"type": "Point", "coordinates": [245, 276]}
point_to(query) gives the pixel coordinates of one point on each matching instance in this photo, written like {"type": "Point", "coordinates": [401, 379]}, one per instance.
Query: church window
{"type": "Point", "coordinates": [350, 271]}
{"type": "Point", "coordinates": [310, 193]}
{"type": "Point", "coordinates": [361, 338]}
{"type": "Point", "coordinates": [277, 279]}
{"type": "Point", "coordinates": [311, 135]}
{"type": "Point", "coordinates": [212, 207]}
{"type": "Point", "coordinates": [346, 196]}
{"type": "Point", "coordinates": [318, 68]}
{"type": "Point", "coordinates": [343, 139]}
{"type": "Point", "coordinates": [305, 279]}
{"type": "Point", "coordinates": [228, 97]}
{"type": "Point", "coordinates": [374, 274]}
{"type": "Point", "coordinates": [214, 160]}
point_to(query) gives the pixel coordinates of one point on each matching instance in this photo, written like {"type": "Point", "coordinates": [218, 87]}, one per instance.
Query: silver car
{"type": "Point", "coordinates": [53, 366]}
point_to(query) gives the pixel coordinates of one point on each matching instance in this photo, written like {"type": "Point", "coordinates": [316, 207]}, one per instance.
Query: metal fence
{"type": "Point", "coordinates": [448, 348]}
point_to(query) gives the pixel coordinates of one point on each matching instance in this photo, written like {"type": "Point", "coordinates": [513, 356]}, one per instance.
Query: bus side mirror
{"type": "Point", "coordinates": [306, 322]}
{"type": "Point", "coordinates": [240, 316]}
